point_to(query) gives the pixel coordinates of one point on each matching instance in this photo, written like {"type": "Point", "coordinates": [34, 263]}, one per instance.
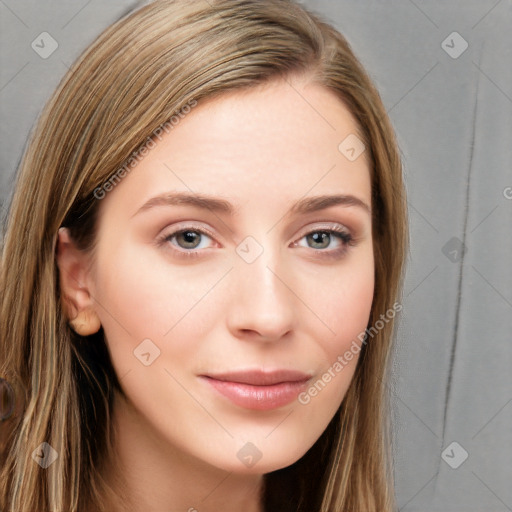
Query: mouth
{"type": "Point", "coordinates": [257, 389]}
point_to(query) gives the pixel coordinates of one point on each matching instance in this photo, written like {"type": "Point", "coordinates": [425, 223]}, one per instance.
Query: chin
{"type": "Point", "coordinates": [261, 455]}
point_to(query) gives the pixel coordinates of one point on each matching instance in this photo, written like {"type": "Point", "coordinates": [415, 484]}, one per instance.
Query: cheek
{"type": "Point", "coordinates": [137, 301]}
{"type": "Point", "coordinates": [144, 296]}
{"type": "Point", "coordinates": [345, 309]}
{"type": "Point", "coordinates": [345, 301]}
{"type": "Point", "coordinates": [129, 303]}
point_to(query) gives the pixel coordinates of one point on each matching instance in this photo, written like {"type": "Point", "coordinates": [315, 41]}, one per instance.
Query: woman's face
{"type": "Point", "coordinates": [219, 315]}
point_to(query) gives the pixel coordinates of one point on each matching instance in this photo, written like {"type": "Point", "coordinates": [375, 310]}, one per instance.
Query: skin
{"type": "Point", "coordinates": [293, 307]}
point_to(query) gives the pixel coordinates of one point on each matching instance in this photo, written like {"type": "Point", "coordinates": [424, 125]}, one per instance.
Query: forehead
{"type": "Point", "coordinates": [279, 118]}
{"type": "Point", "coordinates": [272, 141]}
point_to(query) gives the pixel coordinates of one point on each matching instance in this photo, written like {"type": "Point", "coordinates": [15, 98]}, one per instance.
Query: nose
{"type": "Point", "coordinates": [263, 306]}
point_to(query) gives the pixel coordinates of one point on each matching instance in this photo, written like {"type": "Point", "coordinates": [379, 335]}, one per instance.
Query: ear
{"type": "Point", "coordinates": [76, 299]}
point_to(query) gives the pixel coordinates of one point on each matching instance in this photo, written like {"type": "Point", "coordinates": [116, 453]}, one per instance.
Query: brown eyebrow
{"type": "Point", "coordinates": [316, 203]}
{"type": "Point", "coordinates": [215, 204]}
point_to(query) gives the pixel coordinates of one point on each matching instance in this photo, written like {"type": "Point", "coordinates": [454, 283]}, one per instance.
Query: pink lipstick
{"type": "Point", "coordinates": [259, 390]}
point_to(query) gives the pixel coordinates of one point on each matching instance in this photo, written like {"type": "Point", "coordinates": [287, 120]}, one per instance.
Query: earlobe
{"type": "Point", "coordinates": [86, 323]}
{"type": "Point", "coordinates": [76, 300]}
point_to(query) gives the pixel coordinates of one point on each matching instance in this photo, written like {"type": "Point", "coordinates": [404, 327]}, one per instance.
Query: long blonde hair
{"type": "Point", "coordinates": [132, 79]}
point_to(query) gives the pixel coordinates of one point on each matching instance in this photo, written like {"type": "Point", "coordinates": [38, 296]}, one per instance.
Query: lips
{"type": "Point", "coordinates": [257, 389]}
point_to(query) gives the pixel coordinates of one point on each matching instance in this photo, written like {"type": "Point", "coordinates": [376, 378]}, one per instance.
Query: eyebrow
{"type": "Point", "coordinates": [215, 204]}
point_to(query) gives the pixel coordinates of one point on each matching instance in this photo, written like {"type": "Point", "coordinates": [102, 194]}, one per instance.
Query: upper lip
{"type": "Point", "coordinates": [260, 377]}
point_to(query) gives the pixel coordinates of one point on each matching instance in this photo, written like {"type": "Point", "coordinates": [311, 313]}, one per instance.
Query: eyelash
{"type": "Point", "coordinates": [342, 234]}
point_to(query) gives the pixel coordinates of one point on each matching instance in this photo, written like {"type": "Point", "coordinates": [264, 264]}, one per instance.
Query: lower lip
{"type": "Point", "coordinates": [261, 398]}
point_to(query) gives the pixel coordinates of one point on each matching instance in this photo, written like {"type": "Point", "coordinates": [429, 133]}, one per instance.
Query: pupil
{"type": "Point", "coordinates": [190, 237]}
{"type": "Point", "coordinates": [320, 237]}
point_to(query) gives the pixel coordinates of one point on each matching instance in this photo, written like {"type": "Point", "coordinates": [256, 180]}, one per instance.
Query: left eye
{"type": "Point", "coordinates": [321, 239]}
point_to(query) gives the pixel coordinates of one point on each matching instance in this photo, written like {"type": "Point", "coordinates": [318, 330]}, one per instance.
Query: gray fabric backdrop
{"type": "Point", "coordinates": [444, 70]}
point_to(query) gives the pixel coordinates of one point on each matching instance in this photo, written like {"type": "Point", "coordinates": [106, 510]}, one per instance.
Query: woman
{"type": "Point", "coordinates": [201, 270]}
